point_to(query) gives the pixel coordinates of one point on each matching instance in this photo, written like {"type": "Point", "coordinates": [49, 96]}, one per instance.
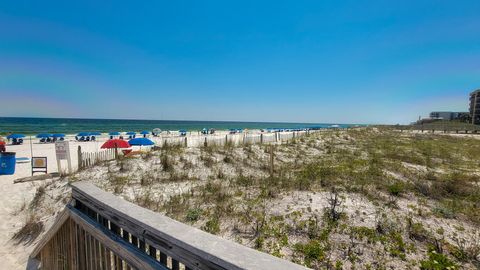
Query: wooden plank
{"type": "Point", "coordinates": [114, 242]}
{"type": "Point", "coordinates": [57, 224]}
{"type": "Point", "coordinates": [193, 247]}
{"type": "Point", "coordinates": [36, 178]}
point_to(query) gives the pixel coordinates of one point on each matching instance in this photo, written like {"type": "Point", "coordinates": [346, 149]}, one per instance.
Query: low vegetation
{"type": "Point", "coordinates": [366, 198]}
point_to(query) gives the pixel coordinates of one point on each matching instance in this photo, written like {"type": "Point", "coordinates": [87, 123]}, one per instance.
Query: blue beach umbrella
{"type": "Point", "coordinates": [115, 133]}
{"type": "Point", "coordinates": [96, 133]}
{"type": "Point", "coordinates": [58, 135]}
{"type": "Point", "coordinates": [145, 132]}
{"type": "Point", "coordinates": [15, 136]}
{"type": "Point", "coordinates": [44, 135]}
{"type": "Point", "coordinates": [83, 134]}
{"type": "Point", "coordinates": [140, 142]}
{"type": "Point", "coordinates": [131, 133]}
{"type": "Point", "coordinates": [182, 132]}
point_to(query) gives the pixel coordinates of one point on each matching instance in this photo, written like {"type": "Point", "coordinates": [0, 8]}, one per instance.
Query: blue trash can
{"type": "Point", "coordinates": [7, 163]}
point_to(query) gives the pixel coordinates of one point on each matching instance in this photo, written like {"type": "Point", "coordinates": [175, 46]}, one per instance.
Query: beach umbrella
{"type": "Point", "coordinates": [15, 136]}
{"type": "Point", "coordinates": [157, 131]}
{"type": "Point", "coordinates": [183, 132]}
{"type": "Point", "coordinates": [96, 133]}
{"type": "Point", "coordinates": [115, 143]}
{"type": "Point", "coordinates": [131, 133]}
{"type": "Point", "coordinates": [58, 135]}
{"type": "Point", "coordinates": [44, 135]}
{"type": "Point", "coordinates": [141, 141]}
{"type": "Point", "coordinates": [83, 134]}
{"type": "Point", "coordinates": [145, 132]}
{"type": "Point", "coordinates": [115, 133]}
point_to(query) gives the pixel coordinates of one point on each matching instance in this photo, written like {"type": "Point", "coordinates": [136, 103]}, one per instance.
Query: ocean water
{"type": "Point", "coordinates": [30, 126]}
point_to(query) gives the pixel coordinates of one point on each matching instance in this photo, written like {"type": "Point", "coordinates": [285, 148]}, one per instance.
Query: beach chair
{"type": "Point", "coordinates": [43, 140]}
{"type": "Point", "coordinates": [49, 140]}
{"type": "Point", "coordinates": [62, 139]}
{"type": "Point", "coordinates": [93, 138]}
{"type": "Point", "coordinates": [87, 139]}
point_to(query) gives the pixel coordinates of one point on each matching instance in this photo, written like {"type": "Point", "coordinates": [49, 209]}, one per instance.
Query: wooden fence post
{"type": "Point", "coordinates": [79, 158]}
{"type": "Point", "coordinates": [271, 160]}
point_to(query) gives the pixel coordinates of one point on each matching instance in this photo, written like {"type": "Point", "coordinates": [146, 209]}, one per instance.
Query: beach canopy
{"type": "Point", "coordinates": [115, 143]}
{"type": "Point", "coordinates": [83, 134]}
{"type": "Point", "coordinates": [44, 135]}
{"type": "Point", "coordinates": [145, 132]}
{"type": "Point", "coordinates": [141, 141]}
{"type": "Point", "coordinates": [58, 135]}
{"type": "Point", "coordinates": [131, 133]}
{"type": "Point", "coordinates": [157, 130]}
{"type": "Point", "coordinates": [115, 133]}
{"type": "Point", "coordinates": [96, 133]}
{"type": "Point", "coordinates": [15, 136]}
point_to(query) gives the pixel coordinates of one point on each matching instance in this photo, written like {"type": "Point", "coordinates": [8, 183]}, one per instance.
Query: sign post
{"type": "Point", "coordinates": [39, 164]}
{"type": "Point", "coordinates": [62, 151]}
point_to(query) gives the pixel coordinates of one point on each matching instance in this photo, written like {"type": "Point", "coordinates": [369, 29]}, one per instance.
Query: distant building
{"type": "Point", "coordinates": [449, 115]}
{"type": "Point", "coordinates": [475, 107]}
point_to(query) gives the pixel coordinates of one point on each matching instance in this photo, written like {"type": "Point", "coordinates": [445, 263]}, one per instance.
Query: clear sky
{"type": "Point", "coordinates": [302, 61]}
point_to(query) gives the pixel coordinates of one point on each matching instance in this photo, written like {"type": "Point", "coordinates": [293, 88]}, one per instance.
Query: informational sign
{"type": "Point", "coordinates": [62, 150]}
{"type": "Point", "coordinates": [39, 164]}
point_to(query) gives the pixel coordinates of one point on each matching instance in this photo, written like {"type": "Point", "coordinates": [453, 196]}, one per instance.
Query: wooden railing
{"type": "Point", "coordinates": [98, 230]}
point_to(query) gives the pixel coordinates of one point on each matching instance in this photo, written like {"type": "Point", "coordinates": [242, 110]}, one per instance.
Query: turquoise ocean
{"type": "Point", "coordinates": [31, 126]}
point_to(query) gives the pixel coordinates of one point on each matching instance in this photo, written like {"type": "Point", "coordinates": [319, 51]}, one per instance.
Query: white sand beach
{"type": "Point", "coordinates": [14, 195]}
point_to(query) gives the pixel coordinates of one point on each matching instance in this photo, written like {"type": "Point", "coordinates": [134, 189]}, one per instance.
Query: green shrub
{"type": "Point", "coordinates": [312, 251]}
{"type": "Point", "coordinates": [396, 188]}
{"type": "Point", "coordinates": [212, 226]}
{"type": "Point", "coordinates": [437, 261]}
{"type": "Point", "coordinates": [193, 214]}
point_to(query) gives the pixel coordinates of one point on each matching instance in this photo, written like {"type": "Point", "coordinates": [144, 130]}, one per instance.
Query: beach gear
{"type": "Point", "coordinates": [44, 135]}
{"type": "Point", "coordinates": [7, 163]}
{"type": "Point", "coordinates": [141, 141]}
{"type": "Point", "coordinates": [58, 135]}
{"type": "Point", "coordinates": [2, 146]}
{"type": "Point", "coordinates": [145, 132]}
{"type": "Point", "coordinates": [83, 134]}
{"type": "Point", "coordinates": [114, 133]}
{"type": "Point", "coordinates": [15, 136]}
{"type": "Point", "coordinates": [115, 143]}
{"type": "Point", "coordinates": [22, 160]}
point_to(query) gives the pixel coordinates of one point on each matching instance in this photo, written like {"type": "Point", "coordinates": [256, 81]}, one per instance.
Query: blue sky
{"type": "Point", "coordinates": [302, 61]}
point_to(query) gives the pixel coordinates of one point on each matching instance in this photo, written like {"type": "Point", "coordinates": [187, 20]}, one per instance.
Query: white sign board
{"type": "Point", "coordinates": [62, 150]}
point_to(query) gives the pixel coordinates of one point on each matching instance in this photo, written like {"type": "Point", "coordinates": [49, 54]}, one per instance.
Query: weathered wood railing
{"type": "Point", "coordinates": [98, 230]}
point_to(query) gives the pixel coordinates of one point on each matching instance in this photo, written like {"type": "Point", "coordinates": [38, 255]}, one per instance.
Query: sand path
{"type": "Point", "coordinates": [12, 197]}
